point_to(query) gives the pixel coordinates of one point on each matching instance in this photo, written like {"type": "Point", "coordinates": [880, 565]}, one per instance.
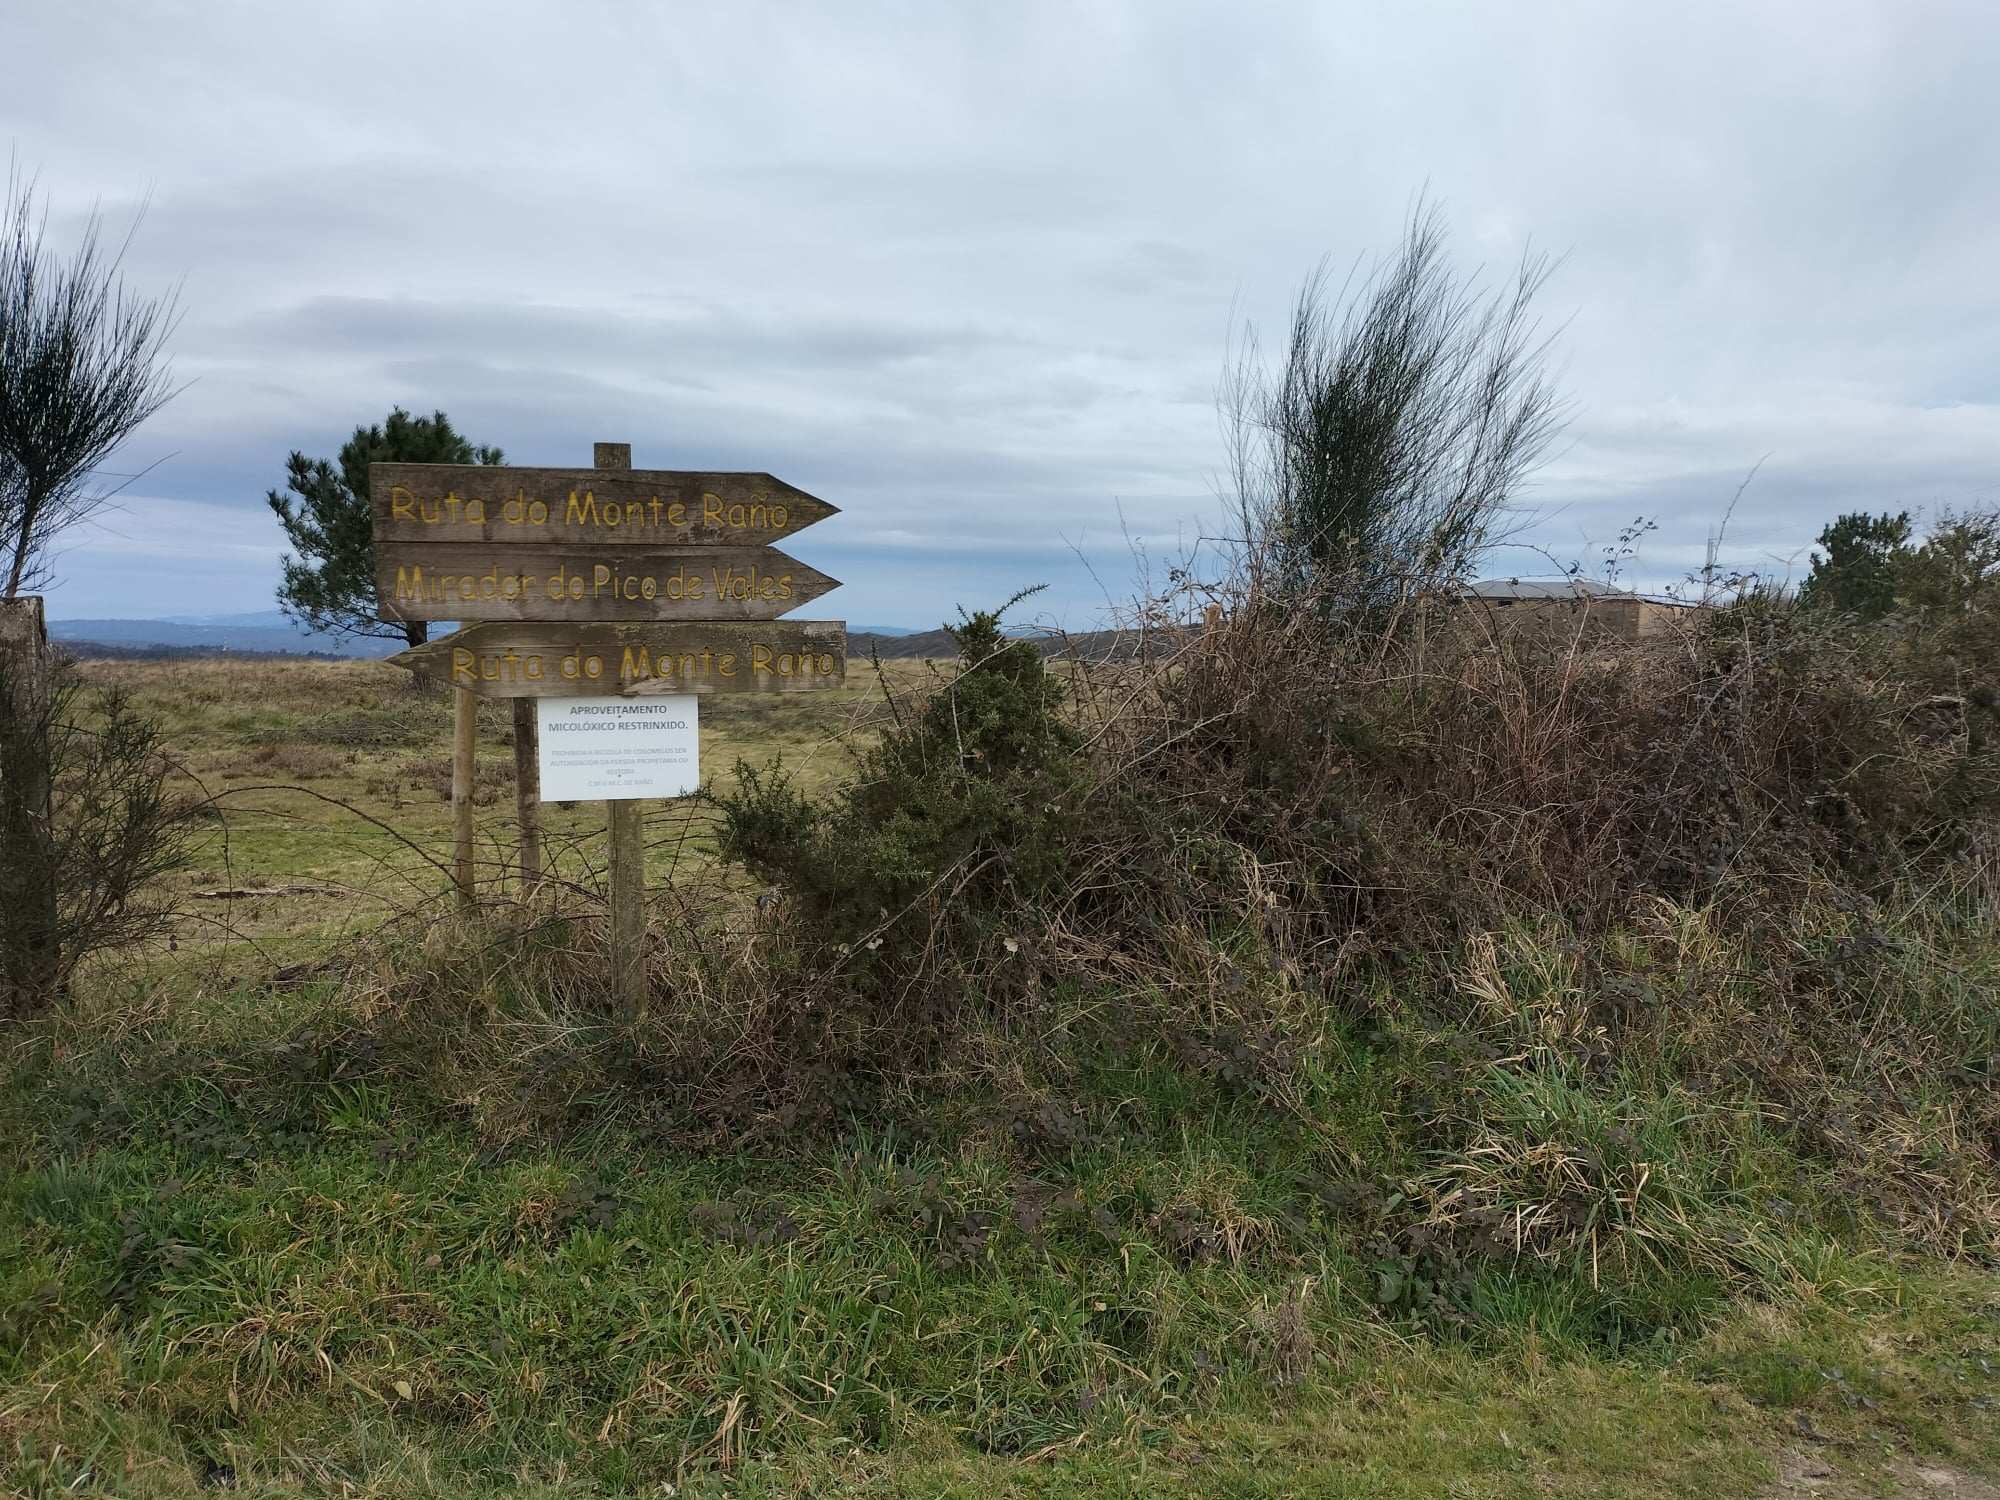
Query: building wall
{"type": "Point", "coordinates": [1625, 619]}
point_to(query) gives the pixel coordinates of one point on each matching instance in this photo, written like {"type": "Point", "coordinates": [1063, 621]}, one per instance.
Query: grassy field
{"type": "Point", "coordinates": [272, 1223]}
{"type": "Point", "coordinates": [330, 784]}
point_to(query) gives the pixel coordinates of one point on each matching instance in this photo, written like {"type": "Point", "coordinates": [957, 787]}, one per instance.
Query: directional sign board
{"type": "Point", "coordinates": [557, 660]}
{"type": "Point", "coordinates": [601, 507]}
{"type": "Point", "coordinates": [551, 581]}
{"type": "Point", "coordinates": [607, 556]}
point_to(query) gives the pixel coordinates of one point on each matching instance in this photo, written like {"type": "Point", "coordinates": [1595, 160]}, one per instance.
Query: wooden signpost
{"type": "Point", "coordinates": [611, 504]}
{"type": "Point", "coordinates": [588, 581]}
{"type": "Point", "coordinates": [600, 582]}
{"type": "Point", "coordinates": [540, 660]}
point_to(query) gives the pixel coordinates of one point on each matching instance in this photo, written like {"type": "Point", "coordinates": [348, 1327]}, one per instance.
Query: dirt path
{"type": "Point", "coordinates": [1810, 1474]}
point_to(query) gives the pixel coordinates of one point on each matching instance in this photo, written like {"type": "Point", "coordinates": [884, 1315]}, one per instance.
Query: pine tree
{"type": "Point", "coordinates": [330, 583]}
{"type": "Point", "coordinates": [1858, 574]}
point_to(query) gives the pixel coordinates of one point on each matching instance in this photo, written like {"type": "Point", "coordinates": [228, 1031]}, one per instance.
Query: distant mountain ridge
{"type": "Point", "coordinates": [262, 631]}
{"type": "Point", "coordinates": [272, 631]}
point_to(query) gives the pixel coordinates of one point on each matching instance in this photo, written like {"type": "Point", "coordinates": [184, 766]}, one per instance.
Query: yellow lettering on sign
{"type": "Point", "coordinates": [757, 515]}
{"type": "Point", "coordinates": [730, 584]}
{"type": "Point", "coordinates": [402, 504]}
{"type": "Point", "coordinates": [583, 510]}
{"type": "Point", "coordinates": [510, 666]}
{"type": "Point", "coordinates": [605, 583]}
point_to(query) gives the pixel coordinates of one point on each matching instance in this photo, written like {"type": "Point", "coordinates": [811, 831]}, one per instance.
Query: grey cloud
{"type": "Point", "coordinates": [971, 273]}
{"type": "Point", "coordinates": [678, 345]}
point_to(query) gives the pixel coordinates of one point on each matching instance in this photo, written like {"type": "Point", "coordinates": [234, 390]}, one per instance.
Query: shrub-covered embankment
{"type": "Point", "coordinates": [1338, 1010]}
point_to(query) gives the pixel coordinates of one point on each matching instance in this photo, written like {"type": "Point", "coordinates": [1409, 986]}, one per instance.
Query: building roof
{"type": "Point", "coordinates": [1559, 588]}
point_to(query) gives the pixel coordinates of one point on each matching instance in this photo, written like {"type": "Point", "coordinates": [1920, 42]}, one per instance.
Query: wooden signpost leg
{"type": "Point", "coordinates": [528, 795]}
{"type": "Point", "coordinates": [628, 907]}
{"type": "Point", "coordinates": [464, 721]}
{"type": "Point", "coordinates": [628, 852]}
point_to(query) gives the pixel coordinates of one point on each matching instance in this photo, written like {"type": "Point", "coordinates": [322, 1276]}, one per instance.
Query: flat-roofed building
{"type": "Point", "coordinates": [1559, 604]}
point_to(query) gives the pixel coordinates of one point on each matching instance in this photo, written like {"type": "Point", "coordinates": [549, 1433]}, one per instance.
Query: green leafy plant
{"type": "Point", "coordinates": [957, 816]}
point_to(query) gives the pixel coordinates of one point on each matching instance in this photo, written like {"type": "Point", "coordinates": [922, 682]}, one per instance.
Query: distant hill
{"type": "Point", "coordinates": [900, 647]}
{"type": "Point", "coordinates": [103, 651]}
{"type": "Point", "coordinates": [270, 633]}
{"type": "Point", "coordinates": [265, 631]}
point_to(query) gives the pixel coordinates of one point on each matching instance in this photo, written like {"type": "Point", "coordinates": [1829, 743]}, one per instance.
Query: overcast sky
{"type": "Point", "coordinates": [971, 272]}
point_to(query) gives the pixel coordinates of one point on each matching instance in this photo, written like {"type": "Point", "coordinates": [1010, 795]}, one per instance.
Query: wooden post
{"type": "Point", "coordinates": [528, 795]}
{"type": "Point", "coordinates": [464, 723]}
{"type": "Point", "coordinates": [628, 853]}
{"type": "Point", "coordinates": [628, 907]}
{"type": "Point", "coordinates": [30, 943]}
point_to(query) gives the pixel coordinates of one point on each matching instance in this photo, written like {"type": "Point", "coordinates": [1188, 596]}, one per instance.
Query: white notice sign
{"type": "Point", "coordinates": [605, 749]}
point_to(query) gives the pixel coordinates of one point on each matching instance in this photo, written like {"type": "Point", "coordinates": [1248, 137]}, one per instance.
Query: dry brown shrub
{"type": "Point", "coordinates": [302, 761]}
{"type": "Point", "coordinates": [490, 778]}
{"type": "Point", "coordinates": [1398, 781]}
{"type": "Point", "coordinates": [1536, 859]}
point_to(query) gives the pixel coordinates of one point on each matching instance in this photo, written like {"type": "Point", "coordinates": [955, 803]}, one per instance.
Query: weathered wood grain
{"type": "Point", "coordinates": [576, 660]}
{"type": "Point", "coordinates": [628, 905]}
{"type": "Point", "coordinates": [464, 768]}
{"type": "Point", "coordinates": [528, 796]}
{"type": "Point", "coordinates": [611, 507]}
{"type": "Point", "coordinates": [472, 581]}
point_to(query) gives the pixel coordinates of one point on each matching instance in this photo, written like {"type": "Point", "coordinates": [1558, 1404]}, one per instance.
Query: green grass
{"type": "Point", "coordinates": [337, 775]}
{"type": "Point", "coordinates": [353, 1296]}
{"type": "Point", "coordinates": [245, 1234]}
{"type": "Point", "coordinates": [426, 1224]}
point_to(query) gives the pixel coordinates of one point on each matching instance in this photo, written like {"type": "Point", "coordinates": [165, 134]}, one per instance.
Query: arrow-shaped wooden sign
{"type": "Point", "coordinates": [557, 660]}
{"type": "Point", "coordinates": [611, 507]}
{"type": "Point", "coordinates": [488, 581]}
